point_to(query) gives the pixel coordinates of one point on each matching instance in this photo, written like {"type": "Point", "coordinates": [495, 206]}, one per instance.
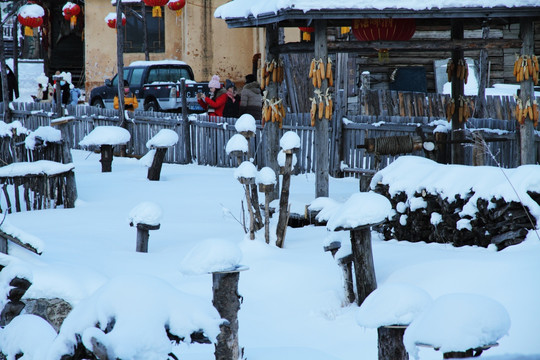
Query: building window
{"type": "Point", "coordinates": [133, 35]}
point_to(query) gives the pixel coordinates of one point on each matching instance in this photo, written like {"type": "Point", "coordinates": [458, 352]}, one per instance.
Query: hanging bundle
{"type": "Point", "coordinates": [177, 5]}
{"type": "Point", "coordinates": [70, 12]}
{"type": "Point", "coordinates": [30, 16]}
{"type": "Point", "coordinates": [156, 6]}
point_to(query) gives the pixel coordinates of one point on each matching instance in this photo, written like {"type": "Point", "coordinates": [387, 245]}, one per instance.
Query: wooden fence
{"type": "Point", "coordinates": [208, 139]}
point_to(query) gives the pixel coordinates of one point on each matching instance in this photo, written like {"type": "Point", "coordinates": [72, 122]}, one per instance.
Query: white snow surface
{"type": "Point", "coordinates": [246, 170]}
{"type": "Point", "coordinates": [147, 212]}
{"type": "Point", "coordinates": [293, 300]}
{"type": "Point", "coordinates": [164, 138]}
{"type": "Point", "coordinates": [14, 128]}
{"type": "Point", "coordinates": [27, 334]}
{"type": "Point", "coordinates": [266, 176]}
{"type": "Point", "coordinates": [156, 62]}
{"type": "Point", "coordinates": [106, 135]}
{"type": "Point", "coordinates": [458, 322]}
{"type": "Point", "coordinates": [359, 210]}
{"type": "Point", "coordinates": [237, 142]}
{"type": "Point", "coordinates": [245, 123]}
{"type": "Point", "coordinates": [281, 157]}
{"type": "Point", "coordinates": [392, 304]}
{"type": "Point", "coordinates": [290, 141]}
{"type": "Point", "coordinates": [31, 11]}
{"type": "Point", "coordinates": [246, 8]}
{"type": "Point", "coordinates": [45, 167]}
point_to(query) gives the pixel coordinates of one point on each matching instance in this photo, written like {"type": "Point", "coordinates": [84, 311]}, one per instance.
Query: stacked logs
{"type": "Point", "coordinates": [431, 218]}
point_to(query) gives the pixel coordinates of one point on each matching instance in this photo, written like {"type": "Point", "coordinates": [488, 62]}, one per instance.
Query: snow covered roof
{"type": "Point", "coordinates": [261, 12]}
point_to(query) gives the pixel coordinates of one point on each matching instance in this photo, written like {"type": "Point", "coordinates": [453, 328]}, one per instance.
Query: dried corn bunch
{"type": "Point", "coordinates": [530, 110]}
{"type": "Point", "coordinates": [526, 67]}
{"type": "Point", "coordinates": [272, 71]}
{"type": "Point", "coordinates": [461, 69]}
{"type": "Point", "coordinates": [450, 110]}
{"type": "Point", "coordinates": [464, 111]}
{"type": "Point", "coordinates": [450, 67]}
{"type": "Point", "coordinates": [329, 105]}
{"type": "Point", "coordinates": [319, 71]}
{"type": "Point", "coordinates": [273, 110]}
{"type": "Point", "coordinates": [313, 110]}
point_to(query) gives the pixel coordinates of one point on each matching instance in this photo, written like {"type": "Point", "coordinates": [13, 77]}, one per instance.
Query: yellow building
{"type": "Point", "coordinates": [195, 36]}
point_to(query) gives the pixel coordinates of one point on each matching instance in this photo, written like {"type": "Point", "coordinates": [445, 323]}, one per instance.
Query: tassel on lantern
{"type": "Point", "coordinates": [72, 22]}
{"type": "Point", "coordinates": [156, 11]}
{"type": "Point", "coordinates": [306, 36]}
{"type": "Point", "coordinates": [345, 30]}
{"type": "Point", "coordinates": [178, 13]}
{"type": "Point", "coordinates": [384, 56]}
{"type": "Point", "coordinates": [28, 31]}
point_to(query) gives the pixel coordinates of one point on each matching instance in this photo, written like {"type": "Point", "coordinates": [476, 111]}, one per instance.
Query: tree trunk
{"type": "Point", "coordinates": [458, 151]}
{"type": "Point", "coordinates": [227, 302]}
{"type": "Point", "coordinates": [528, 150]}
{"type": "Point", "coordinates": [363, 263]}
{"type": "Point", "coordinates": [321, 141]}
{"type": "Point", "coordinates": [391, 343]}
{"type": "Point", "coordinates": [154, 171]}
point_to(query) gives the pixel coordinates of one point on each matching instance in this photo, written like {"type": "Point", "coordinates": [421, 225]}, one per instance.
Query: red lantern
{"type": "Point", "coordinates": [70, 12]}
{"type": "Point", "coordinates": [177, 5]}
{"type": "Point", "coordinates": [156, 6]}
{"type": "Point", "coordinates": [110, 19]}
{"type": "Point", "coordinates": [383, 30]}
{"type": "Point", "coordinates": [306, 32]}
{"type": "Point", "coordinates": [30, 16]}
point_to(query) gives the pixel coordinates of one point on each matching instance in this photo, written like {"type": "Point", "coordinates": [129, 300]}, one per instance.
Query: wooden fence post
{"type": "Point", "coordinates": [267, 189]}
{"type": "Point", "coordinates": [390, 343]}
{"type": "Point", "coordinates": [321, 126]}
{"type": "Point", "coordinates": [364, 268]}
{"type": "Point", "coordinates": [185, 123]}
{"type": "Point", "coordinates": [227, 302]}
{"type": "Point", "coordinates": [143, 235]}
{"type": "Point", "coordinates": [71, 186]}
{"type": "Point", "coordinates": [106, 158]}
{"type": "Point", "coordinates": [526, 131]}
{"type": "Point", "coordinates": [283, 219]}
{"type": "Point", "coordinates": [154, 171]}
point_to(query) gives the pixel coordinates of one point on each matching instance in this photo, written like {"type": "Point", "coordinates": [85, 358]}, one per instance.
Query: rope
{"type": "Point", "coordinates": [393, 145]}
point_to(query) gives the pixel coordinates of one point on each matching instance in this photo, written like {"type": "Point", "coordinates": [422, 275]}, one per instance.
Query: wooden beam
{"type": "Point", "coordinates": [320, 141]}
{"type": "Point", "coordinates": [411, 45]}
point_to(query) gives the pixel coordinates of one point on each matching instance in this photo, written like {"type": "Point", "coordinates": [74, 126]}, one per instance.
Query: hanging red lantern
{"type": "Point", "coordinates": [30, 16]}
{"type": "Point", "coordinates": [177, 5]}
{"type": "Point", "coordinates": [383, 30]}
{"type": "Point", "coordinates": [110, 19]}
{"type": "Point", "coordinates": [156, 6]}
{"type": "Point", "coordinates": [70, 12]}
{"type": "Point", "coordinates": [306, 32]}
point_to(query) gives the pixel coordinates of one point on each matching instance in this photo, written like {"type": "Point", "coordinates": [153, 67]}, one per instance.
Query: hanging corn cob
{"type": "Point", "coordinates": [450, 109]}
{"type": "Point", "coordinates": [329, 105]}
{"type": "Point", "coordinates": [313, 110]}
{"type": "Point", "coordinates": [450, 69]}
{"type": "Point", "coordinates": [519, 112]}
{"type": "Point", "coordinates": [535, 113]}
{"type": "Point", "coordinates": [329, 74]}
{"type": "Point", "coordinates": [526, 67]}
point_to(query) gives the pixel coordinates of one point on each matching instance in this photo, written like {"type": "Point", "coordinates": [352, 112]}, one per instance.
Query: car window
{"type": "Point", "coordinates": [115, 79]}
{"type": "Point", "coordinates": [136, 77]}
{"type": "Point", "coordinates": [177, 73]}
{"type": "Point", "coordinates": [153, 75]}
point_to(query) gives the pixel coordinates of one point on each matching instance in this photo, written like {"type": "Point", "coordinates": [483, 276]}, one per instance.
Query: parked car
{"type": "Point", "coordinates": [156, 85]}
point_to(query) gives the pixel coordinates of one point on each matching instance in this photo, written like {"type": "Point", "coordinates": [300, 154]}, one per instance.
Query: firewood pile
{"type": "Point", "coordinates": [431, 218]}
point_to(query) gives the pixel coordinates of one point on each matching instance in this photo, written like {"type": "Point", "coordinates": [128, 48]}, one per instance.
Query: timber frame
{"type": "Point", "coordinates": [452, 18]}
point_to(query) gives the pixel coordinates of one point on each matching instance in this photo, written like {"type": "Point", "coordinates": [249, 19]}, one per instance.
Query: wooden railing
{"type": "Point", "coordinates": [208, 139]}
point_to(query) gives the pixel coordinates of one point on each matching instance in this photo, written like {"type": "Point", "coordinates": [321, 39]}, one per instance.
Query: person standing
{"type": "Point", "coordinates": [251, 98]}
{"type": "Point", "coordinates": [232, 105]}
{"type": "Point", "coordinates": [130, 100]}
{"type": "Point", "coordinates": [13, 85]}
{"type": "Point", "coordinates": [215, 103]}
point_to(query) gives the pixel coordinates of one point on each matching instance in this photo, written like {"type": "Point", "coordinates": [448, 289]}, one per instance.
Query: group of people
{"type": "Point", "coordinates": [46, 92]}
{"type": "Point", "coordinates": [227, 102]}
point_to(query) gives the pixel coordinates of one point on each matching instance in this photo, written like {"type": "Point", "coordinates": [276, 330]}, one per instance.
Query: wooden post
{"type": "Point", "coordinates": [283, 219]}
{"type": "Point", "coordinates": [458, 354]}
{"type": "Point", "coordinates": [526, 131]}
{"type": "Point", "coordinates": [364, 92]}
{"type": "Point", "coordinates": [346, 267]}
{"type": "Point", "coordinates": [154, 171]}
{"type": "Point", "coordinates": [321, 141]}
{"type": "Point", "coordinates": [4, 80]}
{"type": "Point", "coordinates": [458, 151]}
{"type": "Point", "coordinates": [106, 158]}
{"type": "Point", "coordinates": [480, 108]}
{"type": "Point", "coordinates": [71, 186]}
{"type": "Point", "coordinates": [145, 32]}
{"type": "Point", "coordinates": [267, 189]}
{"type": "Point", "coordinates": [391, 345]}
{"type": "Point", "coordinates": [3, 245]}
{"type": "Point", "coordinates": [247, 182]}
{"type": "Point", "coordinates": [363, 262]}
{"type": "Point", "coordinates": [58, 99]}
{"type": "Point", "coordinates": [227, 302]}
{"type": "Point", "coordinates": [271, 129]}
{"type": "Point", "coordinates": [337, 130]}
{"type": "Point", "coordinates": [120, 63]}
{"type": "Point", "coordinates": [143, 235]}
{"type": "Point", "coordinates": [185, 123]}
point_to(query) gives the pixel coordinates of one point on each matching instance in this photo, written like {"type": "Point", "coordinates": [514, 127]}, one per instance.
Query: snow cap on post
{"type": "Point", "coordinates": [212, 255]}
{"type": "Point", "coordinates": [246, 173]}
{"type": "Point", "coordinates": [361, 209]}
{"type": "Point", "coordinates": [392, 304]}
{"type": "Point", "coordinates": [266, 179]}
{"type": "Point", "coordinates": [237, 145]}
{"type": "Point", "coordinates": [147, 213]}
{"type": "Point", "coordinates": [164, 138]}
{"type": "Point", "coordinates": [289, 142]}
{"type": "Point", "coordinates": [281, 159]}
{"type": "Point", "coordinates": [246, 125]}
{"type": "Point", "coordinates": [106, 135]}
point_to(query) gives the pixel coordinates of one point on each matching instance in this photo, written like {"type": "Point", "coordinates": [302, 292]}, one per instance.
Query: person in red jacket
{"type": "Point", "coordinates": [215, 103]}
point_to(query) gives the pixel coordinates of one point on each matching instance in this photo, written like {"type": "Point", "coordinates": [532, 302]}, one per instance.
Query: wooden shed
{"type": "Point", "coordinates": [446, 17]}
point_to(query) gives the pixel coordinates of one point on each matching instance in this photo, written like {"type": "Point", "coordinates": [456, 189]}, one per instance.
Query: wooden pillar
{"type": "Point", "coordinates": [143, 236]}
{"type": "Point", "coordinates": [154, 171]}
{"type": "Point", "coordinates": [480, 108]}
{"type": "Point", "coordinates": [526, 131]}
{"type": "Point", "coordinates": [458, 150]}
{"type": "Point", "coordinates": [185, 123]}
{"type": "Point", "coordinates": [4, 80]}
{"type": "Point", "coordinates": [267, 189]}
{"type": "Point", "coordinates": [391, 345]}
{"type": "Point", "coordinates": [106, 158]}
{"type": "Point", "coordinates": [321, 137]}
{"type": "Point", "coordinates": [337, 133]}
{"type": "Point", "coordinates": [227, 302]}
{"type": "Point", "coordinates": [145, 32]}
{"type": "Point", "coordinates": [71, 186]}
{"type": "Point", "coordinates": [363, 262]}
{"type": "Point", "coordinates": [120, 62]}
{"type": "Point", "coordinates": [3, 245]}
{"type": "Point", "coordinates": [281, 228]}
{"type": "Point", "coordinates": [16, 49]}
{"type": "Point", "coordinates": [271, 129]}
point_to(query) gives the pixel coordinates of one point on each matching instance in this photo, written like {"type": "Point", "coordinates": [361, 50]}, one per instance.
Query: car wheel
{"type": "Point", "coordinates": [98, 103]}
{"type": "Point", "coordinates": [151, 105]}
